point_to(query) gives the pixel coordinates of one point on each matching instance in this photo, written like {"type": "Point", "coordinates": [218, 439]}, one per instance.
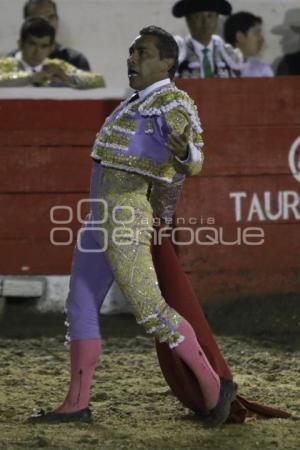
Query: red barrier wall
{"type": "Point", "coordinates": [251, 130]}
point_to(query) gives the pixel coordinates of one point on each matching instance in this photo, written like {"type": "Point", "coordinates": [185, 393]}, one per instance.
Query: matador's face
{"type": "Point", "coordinates": [145, 66]}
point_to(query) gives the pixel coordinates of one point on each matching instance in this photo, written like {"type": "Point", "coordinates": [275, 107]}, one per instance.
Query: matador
{"type": "Point", "coordinates": [142, 154]}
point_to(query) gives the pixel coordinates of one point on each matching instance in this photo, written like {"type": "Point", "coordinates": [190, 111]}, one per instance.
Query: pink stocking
{"type": "Point", "coordinates": [84, 355]}
{"type": "Point", "coordinates": [192, 354]}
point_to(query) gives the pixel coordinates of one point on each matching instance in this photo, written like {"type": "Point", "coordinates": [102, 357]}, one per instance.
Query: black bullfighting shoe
{"type": "Point", "coordinates": [219, 414]}
{"type": "Point", "coordinates": [84, 415]}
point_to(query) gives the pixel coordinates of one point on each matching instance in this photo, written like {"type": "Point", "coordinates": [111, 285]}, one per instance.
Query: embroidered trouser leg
{"type": "Point", "coordinates": [129, 231]}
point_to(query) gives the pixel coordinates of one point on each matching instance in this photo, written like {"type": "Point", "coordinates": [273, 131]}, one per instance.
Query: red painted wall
{"type": "Point", "coordinates": [250, 127]}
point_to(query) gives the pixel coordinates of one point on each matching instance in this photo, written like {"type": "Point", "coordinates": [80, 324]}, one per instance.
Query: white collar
{"type": "Point", "coordinates": [200, 47]}
{"type": "Point", "coordinates": [26, 66]}
{"type": "Point", "coordinates": [148, 90]}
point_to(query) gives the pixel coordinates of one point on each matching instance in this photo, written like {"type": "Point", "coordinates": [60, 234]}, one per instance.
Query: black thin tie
{"type": "Point", "coordinates": [133, 98]}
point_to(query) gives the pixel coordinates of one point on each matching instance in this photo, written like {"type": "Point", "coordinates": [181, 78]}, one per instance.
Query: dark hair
{"type": "Point", "coordinates": [165, 44]}
{"type": "Point", "coordinates": [241, 21]}
{"type": "Point", "coordinates": [36, 26]}
{"type": "Point", "coordinates": [30, 3]}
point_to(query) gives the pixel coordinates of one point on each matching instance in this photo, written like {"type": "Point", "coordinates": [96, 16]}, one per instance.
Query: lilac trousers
{"type": "Point", "coordinates": [91, 276]}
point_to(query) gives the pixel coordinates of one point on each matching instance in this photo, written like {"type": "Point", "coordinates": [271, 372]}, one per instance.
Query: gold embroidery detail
{"type": "Point", "coordinates": [130, 258]}
{"type": "Point", "coordinates": [145, 166]}
{"type": "Point", "coordinates": [13, 74]}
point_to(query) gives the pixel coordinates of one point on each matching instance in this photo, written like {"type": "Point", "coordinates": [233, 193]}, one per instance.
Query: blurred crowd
{"type": "Point", "coordinates": [40, 60]}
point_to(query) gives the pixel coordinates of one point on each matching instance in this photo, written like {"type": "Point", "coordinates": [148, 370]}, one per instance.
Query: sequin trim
{"type": "Point", "coordinates": [175, 344]}
{"type": "Point", "coordinates": [148, 107]}
{"type": "Point", "coordinates": [164, 172]}
{"type": "Point", "coordinates": [146, 319]}
{"type": "Point", "coordinates": [109, 145]}
{"type": "Point", "coordinates": [124, 130]}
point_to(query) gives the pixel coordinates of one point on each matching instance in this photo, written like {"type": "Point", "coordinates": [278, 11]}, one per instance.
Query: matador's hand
{"type": "Point", "coordinates": [178, 144]}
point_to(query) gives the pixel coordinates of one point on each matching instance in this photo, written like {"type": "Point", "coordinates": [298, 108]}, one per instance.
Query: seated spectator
{"type": "Point", "coordinates": [243, 30]}
{"type": "Point", "coordinates": [31, 65]}
{"type": "Point", "coordinates": [47, 10]}
{"type": "Point", "coordinates": [203, 54]}
{"type": "Point", "coordinates": [290, 63]}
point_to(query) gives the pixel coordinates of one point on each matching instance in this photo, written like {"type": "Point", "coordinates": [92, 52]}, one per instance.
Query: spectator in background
{"type": "Point", "coordinates": [47, 10]}
{"type": "Point", "coordinates": [203, 54]}
{"type": "Point", "coordinates": [243, 30]}
{"type": "Point", "coordinates": [31, 66]}
{"type": "Point", "coordinates": [290, 63]}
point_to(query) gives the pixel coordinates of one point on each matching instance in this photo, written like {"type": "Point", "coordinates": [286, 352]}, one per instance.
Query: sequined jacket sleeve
{"type": "Point", "coordinates": [178, 119]}
{"type": "Point", "coordinates": [11, 75]}
{"type": "Point", "coordinates": [81, 79]}
{"type": "Point", "coordinates": [164, 196]}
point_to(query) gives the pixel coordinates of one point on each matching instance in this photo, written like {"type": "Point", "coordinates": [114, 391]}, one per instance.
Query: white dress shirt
{"type": "Point", "coordinates": [256, 68]}
{"type": "Point", "coordinates": [148, 90]}
{"type": "Point", "coordinates": [26, 66]}
{"type": "Point", "coordinates": [198, 47]}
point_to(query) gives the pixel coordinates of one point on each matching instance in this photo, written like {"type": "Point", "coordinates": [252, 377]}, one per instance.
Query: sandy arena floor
{"type": "Point", "coordinates": [132, 405]}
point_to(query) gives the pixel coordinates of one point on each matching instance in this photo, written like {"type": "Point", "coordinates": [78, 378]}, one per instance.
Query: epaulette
{"type": "Point", "coordinates": [166, 99]}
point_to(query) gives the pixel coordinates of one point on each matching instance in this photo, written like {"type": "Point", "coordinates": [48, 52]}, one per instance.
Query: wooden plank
{"type": "Point", "coordinates": [232, 282]}
{"type": "Point", "coordinates": [279, 252]}
{"type": "Point", "coordinates": [14, 139]}
{"type": "Point", "coordinates": [229, 286]}
{"type": "Point", "coordinates": [54, 114]}
{"type": "Point", "coordinates": [246, 102]}
{"type": "Point", "coordinates": [46, 169]}
{"type": "Point", "coordinates": [227, 151]}
{"type": "Point", "coordinates": [218, 198]}
{"type": "Point", "coordinates": [204, 202]}
{"type": "Point", "coordinates": [248, 150]}
{"type": "Point", "coordinates": [34, 257]}
{"type": "Point", "coordinates": [28, 216]}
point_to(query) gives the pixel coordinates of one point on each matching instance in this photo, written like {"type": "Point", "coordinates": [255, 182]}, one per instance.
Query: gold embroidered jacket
{"type": "Point", "coordinates": [134, 137]}
{"type": "Point", "coordinates": [12, 73]}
